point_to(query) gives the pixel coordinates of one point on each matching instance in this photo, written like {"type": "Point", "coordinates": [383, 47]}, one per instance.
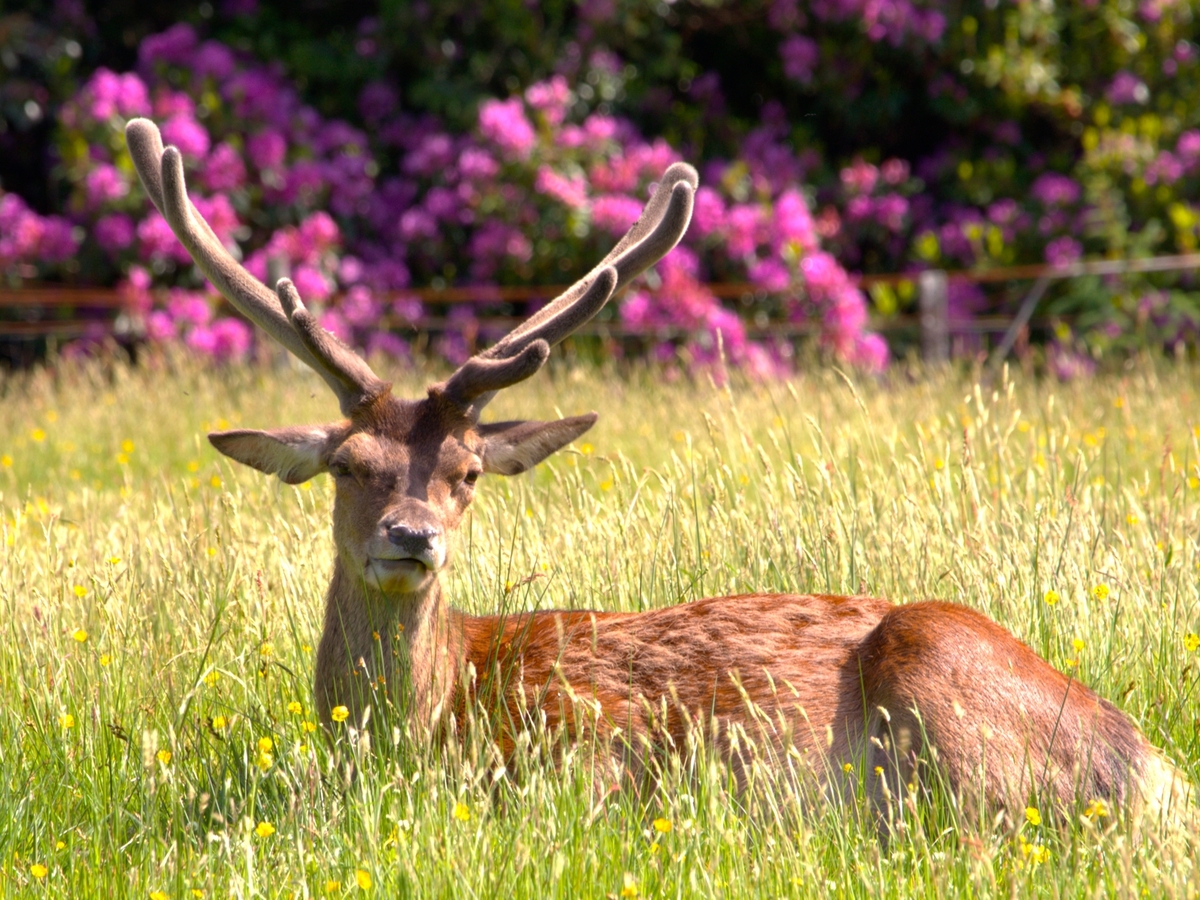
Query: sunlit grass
{"type": "Point", "coordinates": [161, 606]}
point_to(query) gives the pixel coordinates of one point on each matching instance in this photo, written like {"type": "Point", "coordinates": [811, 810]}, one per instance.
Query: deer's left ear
{"type": "Point", "coordinates": [512, 447]}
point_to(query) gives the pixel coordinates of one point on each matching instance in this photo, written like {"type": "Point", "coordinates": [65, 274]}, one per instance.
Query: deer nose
{"type": "Point", "coordinates": [411, 539]}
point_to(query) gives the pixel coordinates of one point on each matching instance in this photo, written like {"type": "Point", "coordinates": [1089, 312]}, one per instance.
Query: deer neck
{"type": "Point", "coordinates": [395, 654]}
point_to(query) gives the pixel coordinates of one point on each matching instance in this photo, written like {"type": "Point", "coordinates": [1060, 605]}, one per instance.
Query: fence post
{"type": "Point", "coordinates": [935, 329]}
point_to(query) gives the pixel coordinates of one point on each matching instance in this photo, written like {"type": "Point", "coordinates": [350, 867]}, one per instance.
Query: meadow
{"type": "Point", "coordinates": [160, 608]}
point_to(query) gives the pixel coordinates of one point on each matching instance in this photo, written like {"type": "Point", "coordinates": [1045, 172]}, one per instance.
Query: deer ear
{"type": "Point", "coordinates": [512, 447]}
{"type": "Point", "coordinates": [295, 454]}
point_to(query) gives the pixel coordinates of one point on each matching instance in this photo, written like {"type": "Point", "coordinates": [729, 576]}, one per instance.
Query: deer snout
{"type": "Point", "coordinates": [413, 541]}
{"type": "Point", "coordinates": [408, 541]}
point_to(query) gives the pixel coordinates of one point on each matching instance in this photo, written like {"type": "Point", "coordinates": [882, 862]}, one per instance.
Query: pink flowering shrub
{"type": "Point", "coordinates": [534, 194]}
{"type": "Point", "coordinates": [885, 136]}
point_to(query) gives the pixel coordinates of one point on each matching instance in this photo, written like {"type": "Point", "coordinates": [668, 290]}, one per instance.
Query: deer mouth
{"type": "Point", "coordinates": [405, 564]}
{"type": "Point", "coordinates": [402, 575]}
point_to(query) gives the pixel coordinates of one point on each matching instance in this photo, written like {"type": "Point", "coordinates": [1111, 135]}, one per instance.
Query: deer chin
{"type": "Point", "coordinates": [398, 576]}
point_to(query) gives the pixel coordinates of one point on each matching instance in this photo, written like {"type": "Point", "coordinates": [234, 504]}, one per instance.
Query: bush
{"type": "Point", "coordinates": [918, 134]}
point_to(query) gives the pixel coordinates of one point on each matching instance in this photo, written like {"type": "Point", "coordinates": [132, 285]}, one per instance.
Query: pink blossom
{"type": "Point", "coordinates": [891, 210]}
{"type": "Point", "coordinates": [218, 212]}
{"type": "Point", "coordinates": [104, 184]}
{"type": "Point", "coordinates": [551, 98]}
{"type": "Point", "coordinates": [333, 322]}
{"type": "Point", "coordinates": [1053, 189]}
{"type": "Point", "coordinates": [266, 150]}
{"type": "Point", "coordinates": [476, 163]}
{"type": "Point", "coordinates": [107, 94]}
{"type": "Point", "coordinates": [360, 307]}
{"type": "Point", "coordinates": [745, 227]}
{"type": "Point", "coordinates": [793, 222]}
{"type": "Point", "coordinates": [58, 242]}
{"type": "Point", "coordinates": [114, 232]}
{"type": "Point", "coordinates": [614, 213]}
{"type": "Point", "coordinates": [800, 56]}
{"type": "Point", "coordinates": [173, 46]}
{"type": "Point", "coordinates": [1063, 251]}
{"type": "Point", "coordinates": [156, 241]}
{"type": "Point", "coordinates": [569, 190]}
{"type": "Point", "coordinates": [187, 134]}
{"type": "Point", "coordinates": [384, 343]}
{"type": "Point", "coordinates": [870, 353]}
{"type": "Point", "coordinates": [770, 275]}
{"type": "Point", "coordinates": [860, 177]}
{"type": "Point", "coordinates": [311, 283]}
{"type": "Point", "coordinates": [894, 171]}
{"type": "Point", "coordinates": [213, 60]}
{"type": "Point", "coordinates": [1127, 88]}
{"type": "Point", "coordinates": [708, 213]}
{"type": "Point", "coordinates": [503, 123]}
{"type": "Point", "coordinates": [189, 307]}
{"type": "Point", "coordinates": [160, 327]}
{"type": "Point", "coordinates": [318, 234]}
{"type": "Point", "coordinates": [223, 170]}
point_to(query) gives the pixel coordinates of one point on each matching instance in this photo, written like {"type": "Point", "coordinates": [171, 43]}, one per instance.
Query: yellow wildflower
{"type": "Point", "coordinates": [265, 745]}
{"type": "Point", "coordinates": [37, 870]}
{"type": "Point", "coordinates": [295, 708]}
{"type": "Point", "coordinates": [1100, 591]}
{"type": "Point", "coordinates": [462, 812]}
{"type": "Point", "coordinates": [163, 756]}
{"type": "Point", "coordinates": [80, 636]}
{"type": "Point", "coordinates": [362, 878]}
{"type": "Point", "coordinates": [629, 886]}
{"type": "Point", "coordinates": [37, 435]}
{"type": "Point", "coordinates": [1032, 816]}
{"type": "Point", "coordinates": [332, 886]}
{"type": "Point", "coordinates": [847, 768]}
{"type": "Point", "coordinates": [1078, 644]}
{"type": "Point", "coordinates": [79, 591]}
{"type": "Point", "coordinates": [66, 720]}
{"type": "Point", "coordinates": [218, 722]}
{"type": "Point", "coordinates": [1051, 598]}
{"type": "Point", "coordinates": [1191, 642]}
{"type": "Point", "coordinates": [264, 829]}
{"type": "Point", "coordinates": [308, 727]}
{"type": "Point", "coordinates": [663, 826]}
{"type": "Point", "coordinates": [215, 481]}
{"type": "Point", "coordinates": [105, 659]}
{"type": "Point", "coordinates": [1097, 809]}
{"type": "Point", "coordinates": [159, 895]}
{"type": "Point", "coordinates": [339, 714]}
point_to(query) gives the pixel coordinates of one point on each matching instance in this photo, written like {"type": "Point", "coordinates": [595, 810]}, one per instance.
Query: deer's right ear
{"type": "Point", "coordinates": [295, 454]}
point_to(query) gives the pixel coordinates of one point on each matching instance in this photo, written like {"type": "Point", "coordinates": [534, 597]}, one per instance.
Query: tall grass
{"type": "Point", "coordinates": [161, 605]}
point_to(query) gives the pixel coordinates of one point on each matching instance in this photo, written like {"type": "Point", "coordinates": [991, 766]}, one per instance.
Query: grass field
{"type": "Point", "coordinates": [160, 607]}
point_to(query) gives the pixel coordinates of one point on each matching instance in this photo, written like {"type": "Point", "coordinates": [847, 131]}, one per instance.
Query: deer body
{"type": "Point", "coordinates": [848, 684]}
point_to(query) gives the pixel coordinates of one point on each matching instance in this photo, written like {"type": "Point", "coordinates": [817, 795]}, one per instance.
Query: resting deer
{"type": "Point", "coordinates": [851, 683]}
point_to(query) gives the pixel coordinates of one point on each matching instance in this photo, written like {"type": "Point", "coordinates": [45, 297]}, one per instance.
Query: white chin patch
{"type": "Point", "coordinates": [397, 576]}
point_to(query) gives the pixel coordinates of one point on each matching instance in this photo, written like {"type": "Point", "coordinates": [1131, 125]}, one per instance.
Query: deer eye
{"type": "Point", "coordinates": [471, 477]}
{"type": "Point", "coordinates": [339, 470]}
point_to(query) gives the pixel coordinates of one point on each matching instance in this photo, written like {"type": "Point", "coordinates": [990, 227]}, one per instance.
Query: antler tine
{"type": "Point", "coordinates": [518, 354]}
{"type": "Point", "coordinates": [284, 316]}
{"type": "Point", "coordinates": [656, 232]}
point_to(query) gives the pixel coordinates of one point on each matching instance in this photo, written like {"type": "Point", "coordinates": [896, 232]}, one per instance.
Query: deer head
{"type": "Point", "coordinates": [404, 470]}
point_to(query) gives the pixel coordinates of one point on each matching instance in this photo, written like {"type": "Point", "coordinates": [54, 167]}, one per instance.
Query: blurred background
{"type": "Point", "coordinates": [427, 171]}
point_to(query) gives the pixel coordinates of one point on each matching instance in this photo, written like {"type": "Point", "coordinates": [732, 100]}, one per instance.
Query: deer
{"type": "Point", "coordinates": [859, 687]}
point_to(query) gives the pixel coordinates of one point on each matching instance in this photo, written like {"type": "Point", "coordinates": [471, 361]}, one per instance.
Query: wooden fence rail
{"type": "Point", "coordinates": [65, 313]}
